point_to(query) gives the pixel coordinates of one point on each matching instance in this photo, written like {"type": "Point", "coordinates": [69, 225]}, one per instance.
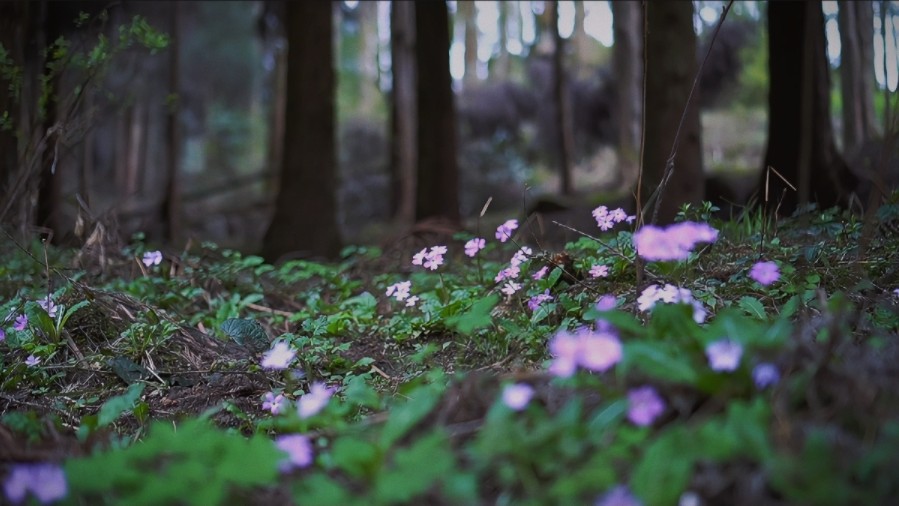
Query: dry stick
{"type": "Point", "coordinates": [669, 164]}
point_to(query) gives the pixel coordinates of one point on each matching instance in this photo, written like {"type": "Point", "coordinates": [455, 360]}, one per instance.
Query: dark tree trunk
{"type": "Point", "coordinates": [565, 135]}
{"type": "Point", "coordinates": [403, 111]}
{"type": "Point", "coordinates": [171, 203]}
{"type": "Point", "coordinates": [468, 12]}
{"type": "Point", "coordinates": [670, 70]}
{"type": "Point", "coordinates": [438, 177]}
{"type": "Point", "coordinates": [305, 218]}
{"type": "Point", "coordinates": [49, 183]}
{"type": "Point", "coordinates": [857, 72]}
{"type": "Point", "coordinates": [12, 36]}
{"type": "Point", "coordinates": [800, 136]}
{"type": "Point", "coordinates": [627, 60]}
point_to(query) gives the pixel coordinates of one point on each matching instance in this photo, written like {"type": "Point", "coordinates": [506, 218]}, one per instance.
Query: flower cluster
{"type": "Point", "coordinates": [400, 291]}
{"type": "Point", "coordinates": [430, 258]}
{"type": "Point", "coordinates": [724, 355]}
{"type": "Point", "coordinates": [47, 482]}
{"type": "Point", "coordinates": [606, 219]}
{"type": "Point", "coordinates": [313, 402]}
{"type": "Point", "coordinates": [599, 271]}
{"type": "Point", "coordinates": [765, 273]}
{"type": "Point", "coordinates": [521, 256]}
{"type": "Point", "coordinates": [671, 295]}
{"type": "Point", "coordinates": [474, 245]}
{"type": "Point", "coordinates": [674, 242]}
{"type": "Point", "coordinates": [593, 350]}
{"type": "Point", "coordinates": [298, 449]}
{"type": "Point", "coordinates": [279, 357]}
{"type": "Point", "coordinates": [537, 300]}
{"type": "Point", "coordinates": [644, 406]}
{"type": "Point", "coordinates": [504, 231]}
{"type": "Point", "coordinates": [152, 258]}
{"type": "Point", "coordinates": [517, 396]}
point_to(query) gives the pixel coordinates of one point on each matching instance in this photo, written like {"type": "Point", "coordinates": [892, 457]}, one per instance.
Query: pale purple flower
{"type": "Point", "coordinates": [509, 272]}
{"type": "Point", "coordinates": [765, 375]}
{"type": "Point", "coordinates": [32, 361]}
{"type": "Point", "coordinates": [278, 357]}
{"type": "Point", "coordinates": [298, 449]}
{"type": "Point", "coordinates": [152, 258]}
{"type": "Point", "coordinates": [896, 292]}
{"type": "Point", "coordinates": [724, 355]}
{"type": "Point", "coordinates": [599, 271]}
{"type": "Point", "coordinates": [273, 403]}
{"type": "Point", "coordinates": [535, 301]}
{"type": "Point", "coordinates": [618, 496]}
{"type": "Point", "coordinates": [399, 290]}
{"type": "Point", "coordinates": [510, 288]}
{"type": "Point", "coordinates": [606, 219]}
{"type": "Point", "coordinates": [521, 256]}
{"type": "Point", "coordinates": [21, 322]}
{"type": "Point", "coordinates": [419, 258]}
{"type": "Point", "coordinates": [606, 303]}
{"type": "Point", "coordinates": [644, 406]}
{"type": "Point", "coordinates": [47, 482]}
{"type": "Point", "coordinates": [672, 243]}
{"type": "Point", "coordinates": [313, 402]}
{"type": "Point", "coordinates": [430, 258]}
{"type": "Point", "coordinates": [517, 396]}
{"type": "Point", "coordinates": [411, 301]}
{"type": "Point", "coordinates": [765, 273]}
{"type": "Point", "coordinates": [595, 351]}
{"type": "Point", "coordinates": [474, 245]}
{"type": "Point", "coordinates": [543, 270]}
{"type": "Point", "coordinates": [504, 231]}
{"type": "Point", "coordinates": [670, 294]}
{"type": "Point", "coordinates": [48, 305]}
{"type": "Point", "coordinates": [2, 335]}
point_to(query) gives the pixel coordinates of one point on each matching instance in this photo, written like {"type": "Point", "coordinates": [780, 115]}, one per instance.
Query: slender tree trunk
{"type": "Point", "coordinates": [580, 40]}
{"type": "Point", "coordinates": [468, 13]}
{"type": "Point", "coordinates": [305, 218]}
{"type": "Point", "coordinates": [171, 204]}
{"type": "Point", "coordinates": [49, 185]}
{"type": "Point", "coordinates": [800, 136]}
{"type": "Point", "coordinates": [404, 150]}
{"type": "Point", "coordinates": [856, 21]}
{"type": "Point", "coordinates": [368, 57]}
{"type": "Point", "coordinates": [501, 63]}
{"type": "Point", "coordinates": [438, 177]}
{"type": "Point", "coordinates": [12, 35]}
{"type": "Point", "coordinates": [627, 60]}
{"type": "Point", "coordinates": [565, 141]}
{"type": "Point", "coordinates": [670, 70]}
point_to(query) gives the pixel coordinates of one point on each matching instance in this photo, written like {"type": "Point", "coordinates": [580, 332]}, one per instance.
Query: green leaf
{"type": "Point", "coordinates": [478, 316]}
{"type": "Point", "coordinates": [115, 406]}
{"type": "Point", "coordinates": [659, 360]}
{"type": "Point", "coordinates": [128, 370]}
{"type": "Point", "coordinates": [407, 415]}
{"type": "Point", "coordinates": [358, 458]}
{"type": "Point", "coordinates": [69, 312]}
{"type": "Point", "coordinates": [359, 392]}
{"type": "Point", "coordinates": [664, 472]}
{"type": "Point", "coordinates": [416, 469]}
{"type": "Point", "coordinates": [752, 306]}
{"type": "Point", "coordinates": [246, 332]}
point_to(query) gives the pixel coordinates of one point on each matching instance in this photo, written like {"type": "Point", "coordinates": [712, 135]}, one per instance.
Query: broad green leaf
{"type": "Point", "coordinates": [405, 416]}
{"type": "Point", "coordinates": [659, 360]}
{"type": "Point", "coordinates": [416, 469]}
{"type": "Point", "coordinates": [753, 307]}
{"type": "Point", "coordinates": [115, 406]}
{"type": "Point", "coordinates": [664, 472]}
{"type": "Point", "coordinates": [358, 458]}
{"type": "Point", "coordinates": [246, 332]}
{"type": "Point", "coordinates": [478, 316]}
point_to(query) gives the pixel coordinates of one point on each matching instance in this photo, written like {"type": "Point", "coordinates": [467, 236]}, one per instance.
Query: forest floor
{"type": "Point", "coordinates": [133, 342]}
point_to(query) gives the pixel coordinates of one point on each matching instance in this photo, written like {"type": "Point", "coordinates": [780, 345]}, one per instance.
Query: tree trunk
{"type": "Point", "coordinates": [857, 73]}
{"type": "Point", "coordinates": [670, 70]}
{"type": "Point", "coordinates": [12, 17]}
{"type": "Point", "coordinates": [305, 218]}
{"type": "Point", "coordinates": [170, 211]}
{"type": "Point", "coordinates": [49, 183]}
{"type": "Point", "coordinates": [627, 61]}
{"type": "Point", "coordinates": [565, 139]}
{"type": "Point", "coordinates": [368, 57]}
{"type": "Point", "coordinates": [403, 111]}
{"type": "Point", "coordinates": [468, 13]}
{"type": "Point", "coordinates": [501, 63]}
{"type": "Point", "coordinates": [800, 136]}
{"type": "Point", "coordinates": [438, 175]}
{"type": "Point", "coordinates": [583, 44]}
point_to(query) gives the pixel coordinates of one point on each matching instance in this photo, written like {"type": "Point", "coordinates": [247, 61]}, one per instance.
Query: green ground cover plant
{"type": "Point", "coordinates": [753, 364]}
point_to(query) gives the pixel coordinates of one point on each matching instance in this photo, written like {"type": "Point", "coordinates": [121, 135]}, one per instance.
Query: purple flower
{"type": "Point", "coordinates": [595, 351]}
{"type": "Point", "coordinates": [606, 303]}
{"type": "Point", "coordinates": [510, 288]}
{"type": "Point", "coordinates": [521, 256]}
{"type": "Point", "coordinates": [618, 496]}
{"type": "Point", "coordinates": [765, 375]}
{"type": "Point", "coordinates": [2, 335]}
{"type": "Point", "coordinates": [298, 449]}
{"type": "Point", "coordinates": [509, 272]}
{"type": "Point", "coordinates": [599, 271]}
{"type": "Point", "coordinates": [504, 231]}
{"type": "Point", "coordinates": [430, 258]}
{"type": "Point", "coordinates": [474, 245]}
{"type": "Point", "coordinates": [273, 403]}
{"type": "Point", "coordinates": [765, 273]}
{"type": "Point", "coordinates": [32, 361]}
{"type": "Point", "coordinates": [543, 270]}
{"type": "Point", "coordinates": [399, 290]}
{"type": "Point", "coordinates": [535, 301]}
{"type": "Point", "coordinates": [896, 292]}
{"type": "Point", "coordinates": [607, 219]}
{"type": "Point", "coordinates": [279, 356]}
{"type": "Point", "coordinates": [21, 322]}
{"type": "Point", "coordinates": [411, 301]}
{"type": "Point", "coordinates": [517, 396]}
{"type": "Point", "coordinates": [644, 406]}
{"type": "Point", "coordinates": [47, 482]}
{"type": "Point", "coordinates": [672, 295]}
{"type": "Point", "coordinates": [724, 355]}
{"type": "Point", "coordinates": [152, 258]}
{"type": "Point", "coordinates": [313, 402]}
{"type": "Point", "coordinates": [48, 305]}
{"type": "Point", "coordinates": [672, 243]}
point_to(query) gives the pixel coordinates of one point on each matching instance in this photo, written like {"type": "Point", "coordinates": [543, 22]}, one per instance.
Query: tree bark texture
{"type": "Point", "coordinates": [468, 13]}
{"type": "Point", "coordinates": [404, 149]}
{"type": "Point", "coordinates": [564, 129]}
{"type": "Point", "coordinates": [800, 136]}
{"type": "Point", "coordinates": [856, 21]}
{"type": "Point", "coordinates": [438, 174]}
{"type": "Point", "coordinates": [670, 70]}
{"type": "Point", "coordinates": [12, 35]}
{"type": "Point", "coordinates": [305, 218]}
{"type": "Point", "coordinates": [627, 61]}
{"type": "Point", "coordinates": [170, 209]}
